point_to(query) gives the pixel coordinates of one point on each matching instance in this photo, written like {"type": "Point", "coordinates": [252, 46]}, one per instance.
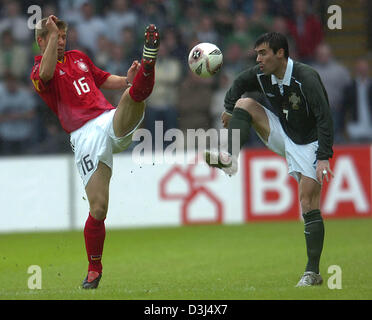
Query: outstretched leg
{"type": "Point", "coordinates": [131, 106]}
{"type": "Point", "coordinates": [247, 113]}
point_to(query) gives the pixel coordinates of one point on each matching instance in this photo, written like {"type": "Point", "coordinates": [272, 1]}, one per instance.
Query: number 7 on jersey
{"type": "Point", "coordinates": [285, 111]}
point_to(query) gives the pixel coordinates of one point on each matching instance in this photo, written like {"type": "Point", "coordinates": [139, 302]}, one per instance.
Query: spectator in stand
{"type": "Point", "coordinates": [70, 10]}
{"type": "Point", "coordinates": [217, 102]}
{"type": "Point", "coordinates": [17, 117]}
{"type": "Point", "coordinates": [334, 77]}
{"type": "Point", "coordinates": [357, 104]}
{"type": "Point", "coordinates": [102, 57]}
{"type": "Point", "coordinates": [194, 112]}
{"type": "Point", "coordinates": [74, 41]}
{"type": "Point", "coordinates": [52, 138]}
{"type": "Point", "coordinates": [93, 24]}
{"type": "Point", "coordinates": [189, 18]}
{"type": "Point", "coordinates": [260, 21]}
{"type": "Point", "coordinates": [130, 43]}
{"type": "Point", "coordinates": [120, 16]}
{"type": "Point", "coordinates": [153, 11]}
{"type": "Point", "coordinates": [15, 21]}
{"type": "Point", "coordinates": [223, 17]}
{"type": "Point", "coordinates": [234, 60]}
{"type": "Point", "coordinates": [13, 57]}
{"type": "Point", "coordinates": [240, 33]}
{"type": "Point", "coordinates": [279, 24]}
{"type": "Point", "coordinates": [206, 31]}
{"type": "Point", "coordinates": [56, 141]}
{"type": "Point", "coordinates": [173, 40]}
{"type": "Point", "coordinates": [280, 8]}
{"type": "Point", "coordinates": [162, 104]}
{"type": "Point", "coordinates": [306, 29]}
{"type": "Point", "coordinates": [90, 27]}
{"type": "Point", "coordinates": [118, 63]}
{"type": "Point", "coordinates": [49, 9]}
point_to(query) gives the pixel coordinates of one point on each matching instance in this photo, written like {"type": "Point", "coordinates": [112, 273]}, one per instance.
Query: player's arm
{"type": "Point", "coordinates": [114, 82]}
{"type": "Point", "coordinates": [318, 101]}
{"type": "Point", "coordinates": [245, 82]}
{"type": "Point", "coordinates": [50, 55]}
{"type": "Point", "coordinates": [118, 82]}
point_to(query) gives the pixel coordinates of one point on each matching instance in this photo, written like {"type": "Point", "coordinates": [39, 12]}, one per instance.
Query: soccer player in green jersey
{"type": "Point", "coordinates": [299, 128]}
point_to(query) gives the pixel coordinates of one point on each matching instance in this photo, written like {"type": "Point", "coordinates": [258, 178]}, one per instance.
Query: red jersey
{"type": "Point", "coordinates": [73, 92]}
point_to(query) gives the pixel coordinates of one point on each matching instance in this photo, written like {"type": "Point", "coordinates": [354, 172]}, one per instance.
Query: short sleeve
{"type": "Point", "coordinates": [99, 75]}
{"type": "Point", "coordinates": [246, 81]}
{"type": "Point", "coordinates": [39, 84]}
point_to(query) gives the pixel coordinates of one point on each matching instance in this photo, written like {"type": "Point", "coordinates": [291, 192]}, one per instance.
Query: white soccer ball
{"type": "Point", "coordinates": [205, 59]}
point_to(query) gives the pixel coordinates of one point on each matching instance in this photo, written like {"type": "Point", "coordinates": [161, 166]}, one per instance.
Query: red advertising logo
{"type": "Point", "coordinates": [348, 194]}
{"type": "Point", "coordinates": [271, 194]}
{"type": "Point", "coordinates": [195, 190]}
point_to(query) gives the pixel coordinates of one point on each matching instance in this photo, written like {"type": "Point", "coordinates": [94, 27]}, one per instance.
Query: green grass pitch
{"type": "Point", "coordinates": [240, 262]}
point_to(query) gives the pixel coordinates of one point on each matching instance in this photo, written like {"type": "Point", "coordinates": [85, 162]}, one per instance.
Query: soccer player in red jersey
{"type": "Point", "coordinates": [70, 83]}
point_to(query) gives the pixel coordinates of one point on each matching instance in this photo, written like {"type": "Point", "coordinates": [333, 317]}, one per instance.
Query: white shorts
{"type": "Point", "coordinates": [95, 141]}
{"type": "Point", "coordinates": [301, 159]}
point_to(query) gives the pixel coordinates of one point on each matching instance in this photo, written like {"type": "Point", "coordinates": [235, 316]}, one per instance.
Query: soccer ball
{"type": "Point", "coordinates": [205, 59]}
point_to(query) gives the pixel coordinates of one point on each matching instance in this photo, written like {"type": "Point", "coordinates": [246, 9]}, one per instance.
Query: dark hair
{"type": "Point", "coordinates": [275, 40]}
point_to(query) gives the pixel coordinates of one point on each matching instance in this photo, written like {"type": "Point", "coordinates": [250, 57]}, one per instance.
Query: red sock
{"type": "Point", "coordinates": [143, 84]}
{"type": "Point", "coordinates": [94, 234]}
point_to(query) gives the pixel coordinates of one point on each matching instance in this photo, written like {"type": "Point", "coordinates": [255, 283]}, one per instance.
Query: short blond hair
{"type": "Point", "coordinates": [41, 30]}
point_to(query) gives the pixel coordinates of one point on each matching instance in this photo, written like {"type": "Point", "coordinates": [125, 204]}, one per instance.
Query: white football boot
{"type": "Point", "coordinates": [310, 279]}
{"type": "Point", "coordinates": [222, 160]}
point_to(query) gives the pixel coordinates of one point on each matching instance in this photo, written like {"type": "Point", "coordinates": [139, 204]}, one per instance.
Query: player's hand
{"type": "Point", "coordinates": [132, 71]}
{"type": "Point", "coordinates": [51, 24]}
{"type": "Point", "coordinates": [225, 117]}
{"type": "Point", "coordinates": [323, 170]}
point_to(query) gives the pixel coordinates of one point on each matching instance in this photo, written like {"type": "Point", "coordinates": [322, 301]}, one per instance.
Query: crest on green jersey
{"type": "Point", "coordinates": [295, 101]}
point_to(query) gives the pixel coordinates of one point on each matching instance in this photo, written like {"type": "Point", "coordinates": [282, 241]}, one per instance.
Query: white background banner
{"type": "Point", "coordinates": [46, 193]}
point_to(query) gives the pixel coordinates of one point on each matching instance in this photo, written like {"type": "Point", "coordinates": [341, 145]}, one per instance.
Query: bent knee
{"type": "Point", "coordinates": [247, 104]}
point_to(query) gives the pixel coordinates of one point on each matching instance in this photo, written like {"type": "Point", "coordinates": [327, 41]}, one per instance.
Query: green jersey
{"type": "Point", "coordinates": [299, 100]}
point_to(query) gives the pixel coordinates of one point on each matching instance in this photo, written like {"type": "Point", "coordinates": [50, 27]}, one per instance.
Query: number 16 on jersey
{"type": "Point", "coordinates": [81, 86]}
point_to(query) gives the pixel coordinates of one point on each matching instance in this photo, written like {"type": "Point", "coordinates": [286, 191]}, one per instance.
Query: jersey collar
{"type": "Point", "coordinates": [287, 75]}
{"type": "Point", "coordinates": [63, 60]}
{"type": "Point", "coordinates": [39, 57]}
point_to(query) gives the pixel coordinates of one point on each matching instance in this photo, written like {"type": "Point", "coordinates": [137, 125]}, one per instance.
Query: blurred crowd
{"type": "Point", "coordinates": [111, 33]}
